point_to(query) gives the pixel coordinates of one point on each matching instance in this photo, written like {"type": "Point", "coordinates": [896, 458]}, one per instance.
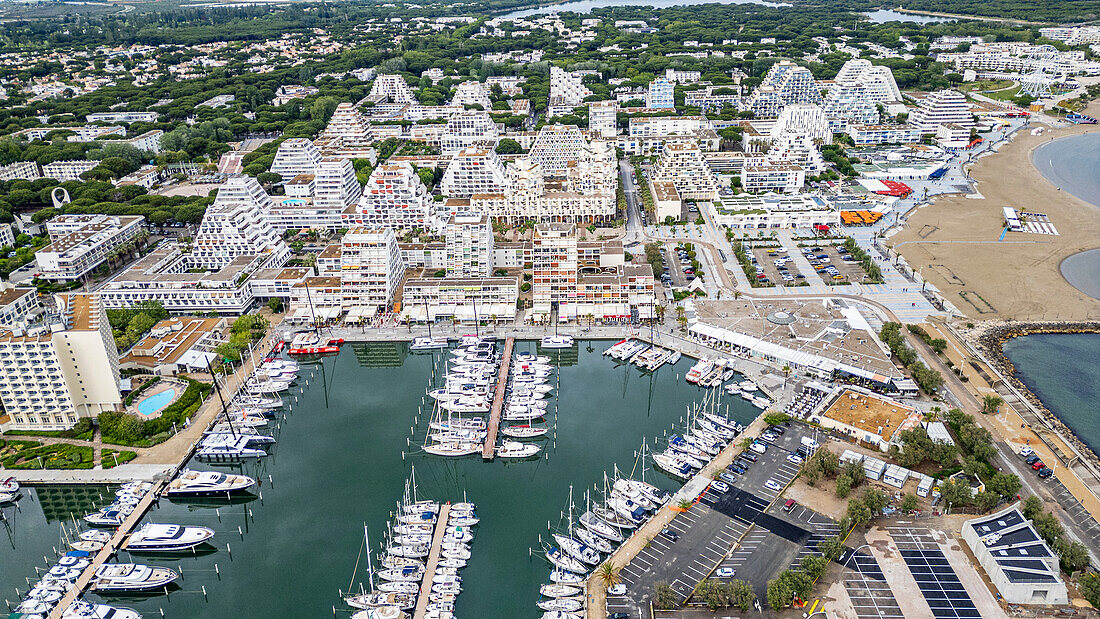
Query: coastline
{"type": "Point", "coordinates": [956, 241]}
{"type": "Point", "coordinates": [991, 338]}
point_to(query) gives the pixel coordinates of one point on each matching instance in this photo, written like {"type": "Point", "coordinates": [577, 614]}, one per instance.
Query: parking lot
{"type": "Point", "coordinates": [834, 257]}
{"type": "Point", "coordinates": [939, 584]}
{"type": "Point", "coordinates": [765, 265]}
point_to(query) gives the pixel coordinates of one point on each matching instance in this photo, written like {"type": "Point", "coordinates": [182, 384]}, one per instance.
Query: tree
{"type": "Point", "coordinates": [843, 486]}
{"type": "Point", "coordinates": [779, 594]}
{"type": "Point", "coordinates": [1074, 556]}
{"type": "Point", "coordinates": [1032, 507]}
{"type": "Point", "coordinates": [831, 548]}
{"type": "Point", "coordinates": [814, 566]}
{"type": "Point", "coordinates": [909, 503]}
{"type": "Point", "coordinates": [990, 403]}
{"type": "Point", "coordinates": [1089, 586]}
{"type": "Point", "coordinates": [664, 597]}
{"type": "Point", "coordinates": [742, 594]}
{"type": "Point", "coordinates": [508, 146]}
{"type": "Point", "coordinates": [608, 574]}
{"type": "Point", "coordinates": [955, 494]}
{"type": "Point", "coordinates": [1004, 485]}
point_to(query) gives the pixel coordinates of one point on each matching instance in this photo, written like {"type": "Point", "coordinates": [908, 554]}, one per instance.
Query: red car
{"type": "Point", "coordinates": [1038, 465]}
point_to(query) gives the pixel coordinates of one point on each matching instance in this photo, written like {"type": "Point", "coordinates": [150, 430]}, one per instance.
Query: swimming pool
{"type": "Point", "coordinates": [156, 402]}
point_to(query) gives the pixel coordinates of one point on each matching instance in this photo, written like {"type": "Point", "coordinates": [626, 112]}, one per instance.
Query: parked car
{"type": "Point", "coordinates": [1032, 459]}
{"type": "Point", "coordinates": [737, 468]}
{"type": "Point", "coordinates": [724, 572]}
{"type": "Point", "coordinates": [669, 534]}
{"type": "Point", "coordinates": [1045, 472]}
{"type": "Point", "coordinates": [720, 486]}
{"type": "Point", "coordinates": [789, 505]}
{"type": "Point", "coordinates": [1026, 451]}
{"type": "Point", "coordinates": [759, 447]}
{"type": "Point", "coordinates": [749, 456]}
{"type": "Point", "coordinates": [771, 484]}
{"type": "Point", "coordinates": [728, 477]}
{"type": "Point", "coordinates": [794, 459]}
{"type": "Point", "coordinates": [1038, 465]}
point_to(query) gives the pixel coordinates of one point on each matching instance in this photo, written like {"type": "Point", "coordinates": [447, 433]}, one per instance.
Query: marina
{"type": "Point", "coordinates": [355, 408]}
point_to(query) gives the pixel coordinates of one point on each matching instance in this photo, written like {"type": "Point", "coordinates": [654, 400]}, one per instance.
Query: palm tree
{"type": "Point", "coordinates": [608, 574]}
{"type": "Point", "coordinates": [786, 373]}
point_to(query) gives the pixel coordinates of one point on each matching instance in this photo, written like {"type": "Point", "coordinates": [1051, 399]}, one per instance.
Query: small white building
{"type": "Point", "coordinates": [1017, 560]}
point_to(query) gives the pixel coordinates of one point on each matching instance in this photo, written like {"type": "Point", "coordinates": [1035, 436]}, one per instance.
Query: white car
{"type": "Point", "coordinates": [794, 459]}
{"type": "Point", "coordinates": [619, 589]}
{"type": "Point", "coordinates": [720, 486]}
{"type": "Point", "coordinates": [771, 484]}
{"type": "Point", "coordinates": [758, 447]}
{"type": "Point", "coordinates": [1026, 451]}
{"type": "Point", "coordinates": [724, 572]}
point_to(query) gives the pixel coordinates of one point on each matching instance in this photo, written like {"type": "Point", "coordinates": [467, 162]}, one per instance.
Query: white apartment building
{"type": "Point", "coordinates": [796, 149]}
{"type": "Point", "coordinates": [1073, 35]}
{"type": "Point", "coordinates": [80, 243]}
{"type": "Point", "coordinates": [472, 93]}
{"type": "Point", "coordinates": [850, 103]}
{"type": "Point", "coordinates": [555, 146]}
{"type": "Point", "coordinates": [682, 77]}
{"type": "Point", "coordinates": [370, 269]}
{"type": "Point", "coordinates": [469, 246]}
{"type": "Point", "coordinates": [55, 375]}
{"type": "Point", "coordinates": [951, 42]}
{"type": "Point", "coordinates": [235, 226]}
{"type": "Point", "coordinates": [17, 305]}
{"type": "Point", "coordinates": [316, 301]}
{"type": "Point", "coordinates": [473, 170]}
{"type": "Point", "coordinates": [652, 126]}
{"type": "Point", "coordinates": [941, 107]}
{"type": "Point", "coordinates": [567, 91]}
{"type": "Point", "coordinates": [148, 141]}
{"type": "Point", "coordinates": [468, 128]}
{"type": "Point", "coordinates": [347, 126]}
{"type": "Point", "coordinates": [491, 299]}
{"type": "Point", "coordinates": [7, 237]}
{"type": "Point", "coordinates": [25, 170]}
{"type": "Point", "coordinates": [660, 95]}
{"type": "Point", "coordinates": [682, 164]}
{"type": "Point", "coordinates": [335, 186]}
{"type": "Point", "coordinates": [784, 84]}
{"type": "Point", "coordinates": [803, 118]}
{"type": "Point", "coordinates": [391, 88]}
{"type": "Point", "coordinates": [864, 135]}
{"type": "Point", "coordinates": [603, 119]}
{"type": "Point", "coordinates": [296, 156]}
{"type": "Point", "coordinates": [394, 197]}
{"type": "Point", "coordinates": [122, 117]}
{"type": "Point", "coordinates": [67, 170]}
{"type": "Point", "coordinates": [876, 79]}
{"type": "Point", "coordinates": [743, 213]}
{"type": "Point", "coordinates": [781, 178]}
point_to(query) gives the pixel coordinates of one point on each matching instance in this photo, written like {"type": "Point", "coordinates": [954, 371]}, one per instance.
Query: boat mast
{"type": "Point", "coordinates": [225, 411]}
{"type": "Point", "coordinates": [312, 314]}
{"type": "Point", "coordinates": [370, 564]}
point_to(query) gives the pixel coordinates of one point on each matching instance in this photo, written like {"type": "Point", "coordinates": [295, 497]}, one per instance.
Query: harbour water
{"type": "Point", "coordinates": [338, 465]}
{"type": "Point", "coordinates": [1061, 370]}
{"type": "Point", "coordinates": [1072, 164]}
{"type": "Point", "coordinates": [586, 6]}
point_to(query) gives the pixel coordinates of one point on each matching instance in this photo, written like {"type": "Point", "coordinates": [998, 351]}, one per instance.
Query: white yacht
{"type": "Point", "coordinates": [452, 449]}
{"type": "Point", "coordinates": [428, 343]}
{"type": "Point", "coordinates": [524, 431]}
{"type": "Point", "coordinates": [375, 599]}
{"type": "Point", "coordinates": [559, 591]}
{"type": "Point", "coordinates": [562, 604]}
{"type": "Point", "coordinates": [207, 483]}
{"type": "Point", "coordinates": [470, 423]}
{"type": "Point", "coordinates": [601, 528]}
{"type": "Point", "coordinates": [9, 485]}
{"type": "Point", "coordinates": [131, 577]}
{"type": "Point", "coordinates": [515, 449]}
{"type": "Point", "coordinates": [229, 451]}
{"type": "Point", "coordinates": [381, 612]}
{"type": "Point", "coordinates": [577, 550]}
{"type": "Point", "coordinates": [466, 404]}
{"type": "Point", "coordinates": [167, 537]}
{"type": "Point", "coordinates": [557, 341]}
{"type": "Point", "coordinates": [88, 610]}
{"type": "Point", "coordinates": [591, 539]}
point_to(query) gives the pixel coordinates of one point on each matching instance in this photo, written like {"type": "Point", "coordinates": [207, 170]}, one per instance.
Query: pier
{"type": "Point", "coordinates": [107, 551]}
{"type": "Point", "coordinates": [433, 562]}
{"type": "Point", "coordinates": [490, 447]}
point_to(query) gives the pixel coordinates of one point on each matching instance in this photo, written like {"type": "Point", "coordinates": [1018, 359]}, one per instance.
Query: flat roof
{"type": "Point", "coordinates": [170, 339]}
{"type": "Point", "coordinates": [873, 414]}
{"type": "Point", "coordinates": [11, 295]}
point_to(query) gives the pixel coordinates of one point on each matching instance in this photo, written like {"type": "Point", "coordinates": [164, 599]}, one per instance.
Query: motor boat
{"type": "Point", "coordinates": [428, 343]}
{"type": "Point", "coordinates": [627, 508]}
{"type": "Point", "coordinates": [461, 535]}
{"type": "Point", "coordinates": [87, 610]}
{"type": "Point", "coordinates": [522, 388]}
{"type": "Point", "coordinates": [400, 562]}
{"type": "Point", "coordinates": [131, 577]}
{"type": "Point", "coordinates": [523, 414]}
{"type": "Point", "coordinates": [526, 357]}
{"type": "Point", "coordinates": [596, 525]}
{"type": "Point", "coordinates": [577, 550]}
{"type": "Point", "coordinates": [524, 431]}
{"type": "Point", "coordinates": [152, 537]}
{"type": "Point", "coordinates": [456, 553]}
{"type": "Point", "coordinates": [469, 423]}
{"type": "Point", "coordinates": [466, 404]}
{"type": "Point", "coordinates": [673, 464]}
{"type": "Point", "coordinates": [452, 449]}
{"type": "Point", "coordinates": [514, 449]}
{"type": "Point", "coordinates": [407, 573]}
{"type": "Point", "coordinates": [207, 483]}
{"type": "Point", "coordinates": [557, 341]}
{"type": "Point", "coordinates": [110, 516]}
{"type": "Point", "coordinates": [747, 386]}
{"type": "Point", "coordinates": [455, 563]}
{"type": "Point", "coordinates": [399, 587]}
{"type": "Point", "coordinates": [8, 497]}
{"type": "Point", "coordinates": [563, 577]}
{"type": "Point", "coordinates": [233, 452]}
{"type": "Point", "coordinates": [381, 612]}
{"type": "Point", "coordinates": [9, 485]}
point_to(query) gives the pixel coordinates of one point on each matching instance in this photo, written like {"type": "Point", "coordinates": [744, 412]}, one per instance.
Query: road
{"type": "Point", "coordinates": [634, 230]}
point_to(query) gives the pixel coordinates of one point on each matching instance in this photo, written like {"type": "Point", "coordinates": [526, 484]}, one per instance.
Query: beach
{"type": "Point", "coordinates": [956, 243]}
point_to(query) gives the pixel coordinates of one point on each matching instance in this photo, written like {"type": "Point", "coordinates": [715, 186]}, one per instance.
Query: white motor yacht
{"type": "Point", "coordinates": [167, 537]}
{"type": "Point", "coordinates": [428, 343]}
{"type": "Point", "coordinates": [515, 449]}
{"type": "Point", "coordinates": [557, 341]}
{"type": "Point", "coordinates": [88, 610]}
{"type": "Point", "coordinates": [207, 483]}
{"type": "Point", "coordinates": [131, 577]}
{"type": "Point", "coordinates": [673, 464]}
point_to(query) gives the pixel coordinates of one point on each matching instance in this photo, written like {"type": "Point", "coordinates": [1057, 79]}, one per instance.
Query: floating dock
{"type": "Point", "coordinates": [433, 560]}
{"type": "Point", "coordinates": [488, 451]}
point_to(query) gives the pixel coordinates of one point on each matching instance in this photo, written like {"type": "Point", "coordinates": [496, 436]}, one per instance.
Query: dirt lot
{"type": "Point", "coordinates": [954, 242]}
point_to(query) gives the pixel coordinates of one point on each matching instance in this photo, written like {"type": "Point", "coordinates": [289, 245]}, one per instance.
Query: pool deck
{"type": "Point", "coordinates": [159, 388]}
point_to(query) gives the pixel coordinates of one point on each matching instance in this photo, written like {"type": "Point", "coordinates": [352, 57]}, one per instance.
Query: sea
{"type": "Point", "coordinates": [1073, 164]}
{"type": "Point", "coordinates": [1063, 371]}
{"type": "Point", "coordinates": [344, 451]}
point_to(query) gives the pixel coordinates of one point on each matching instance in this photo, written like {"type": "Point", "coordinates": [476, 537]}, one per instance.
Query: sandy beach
{"type": "Point", "coordinates": [954, 241]}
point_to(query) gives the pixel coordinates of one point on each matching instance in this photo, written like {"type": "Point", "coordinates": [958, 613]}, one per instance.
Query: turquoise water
{"type": "Point", "coordinates": [1063, 371]}
{"type": "Point", "coordinates": [339, 464]}
{"type": "Point", "coordinates": [154, 403]}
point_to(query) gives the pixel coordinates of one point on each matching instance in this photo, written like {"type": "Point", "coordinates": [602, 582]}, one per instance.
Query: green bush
{"type": "Point", "coordinates": [108, 457]}
{"type": "Point", "coordinates": [58, 456]}
{"type": "Point", "coordinates": [81, 431]}
{"type": "Point", "coordinates": [126, 429]}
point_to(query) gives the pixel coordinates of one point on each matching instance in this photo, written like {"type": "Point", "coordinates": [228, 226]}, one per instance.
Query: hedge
{"type": "Point", "coordinates": [122, 457]}
{"type": "Point", "coordinates": [58, 456]}
{"type": "Point", "coordinates": [126, 429]}
{"type": "Point", "coordinates": [129, 399]}
{"type": "Point", "coordinates": [81, 431]}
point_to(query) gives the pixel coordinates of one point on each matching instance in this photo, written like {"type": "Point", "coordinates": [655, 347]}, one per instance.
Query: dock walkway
{"type": "Point", "coordinates": [107, 551]}
{"type": "Point", "coordinates": [433, 562]}
{"type": "Point", "coordinates": [490, 448]}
